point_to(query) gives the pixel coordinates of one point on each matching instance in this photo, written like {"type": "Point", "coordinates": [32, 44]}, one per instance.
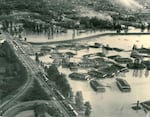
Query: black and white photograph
{"type": "Point", "coordinates": [74, 58]}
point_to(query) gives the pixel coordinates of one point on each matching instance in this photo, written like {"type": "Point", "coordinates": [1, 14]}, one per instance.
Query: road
{"type": "Point", "coordinates": [22, 106]}
{"type": "Point", "coordinates": [33, 73]}
{"type": "Point", "coordinates": [11, 101]}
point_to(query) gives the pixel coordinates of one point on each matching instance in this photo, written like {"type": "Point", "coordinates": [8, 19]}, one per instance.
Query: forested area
{"type": "Point", "coordinates": [14, 74]}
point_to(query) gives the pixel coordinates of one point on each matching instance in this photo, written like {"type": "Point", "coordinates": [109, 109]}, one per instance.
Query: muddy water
{"type": "Point", "coordinates": [43, 37]}
{"type": "Point", "coordinates": [114, 103]}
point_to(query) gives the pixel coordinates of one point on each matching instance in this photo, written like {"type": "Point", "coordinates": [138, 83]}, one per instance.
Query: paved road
{"type": "Point", "coordinates": [12, 100]}
{"type": "Point", "coordinates": [33, 73]}
{"type": "Point", "coordinates": [21, 106]}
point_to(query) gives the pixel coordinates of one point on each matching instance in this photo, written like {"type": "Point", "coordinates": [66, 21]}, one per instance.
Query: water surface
{"type": "Point", "coordinates": [113, 103]}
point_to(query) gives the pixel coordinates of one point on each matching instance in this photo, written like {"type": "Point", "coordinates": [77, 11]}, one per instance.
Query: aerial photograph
{"type": "Point", "coordinates": [74, 58]}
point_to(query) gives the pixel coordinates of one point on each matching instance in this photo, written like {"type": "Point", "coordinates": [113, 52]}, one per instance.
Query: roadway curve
{"type": "Point", "coordinates": [24, 106]}
{"type": "Point", "coordinates": [33, 73]}
{"type": "Point", "coordinates": [22, 90]}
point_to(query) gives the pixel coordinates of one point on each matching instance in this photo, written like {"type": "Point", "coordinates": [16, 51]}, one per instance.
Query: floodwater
{"type": "Point", "coordinates": [114, 103]}
{"type": "Point", "coordinates": [70, 34]}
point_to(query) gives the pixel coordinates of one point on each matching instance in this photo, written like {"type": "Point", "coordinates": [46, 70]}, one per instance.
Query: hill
{"type": "Point", "coordinates": [44, 10]}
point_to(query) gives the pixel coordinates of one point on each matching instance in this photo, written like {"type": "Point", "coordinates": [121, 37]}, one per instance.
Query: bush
{"type": "Point", "coordinates": [95, 22]}
{"type": "Point", "coordinates": [60, 80]}
{"type": "Point", "coordinates": [36, 93]}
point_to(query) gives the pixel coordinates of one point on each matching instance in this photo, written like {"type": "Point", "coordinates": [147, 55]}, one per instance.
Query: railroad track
{"type": "Point", "coordinates": [33, 73]}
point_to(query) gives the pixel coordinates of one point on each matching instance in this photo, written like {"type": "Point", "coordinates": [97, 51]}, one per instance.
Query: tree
{"type": "Point", "coordinates": [53, 72]}
{"type": "Point", "coordinates": [36, 57]}
{"type": "Point", "coordinates": [60, 80]}
{"type": "Point", "coordinates": [35, 93]}
{"type": "Point", "coordinates": [39, 110]}
{"type": "Point", "coordinates": [87, 109]}
{"type": "Point", "coordinates": [79, 100]}
{"type": "Point", "coordinates": [2, 52]}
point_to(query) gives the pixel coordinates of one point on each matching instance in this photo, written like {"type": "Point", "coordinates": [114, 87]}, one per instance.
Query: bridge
{"type": "Point", "coordinates": [33, 70]}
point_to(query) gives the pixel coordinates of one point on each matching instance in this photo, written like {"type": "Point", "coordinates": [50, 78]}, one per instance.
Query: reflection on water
{"type": "Point", "coordinates": [70, 34]}
{"type": "Point", "coordinates": [146, 73]}
{"type": "Point", "coordinates": [106, 52]}
{"type": "Point", "coordinates": [137, 73]}
{"type": "Point", "coordinates": [140, 73]}
{"type": "Point", "coordinates": [114, 103]}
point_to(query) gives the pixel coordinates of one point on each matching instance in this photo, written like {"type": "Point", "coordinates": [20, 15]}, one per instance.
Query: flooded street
{"type": "Point", "coordinates": [112, 103]}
